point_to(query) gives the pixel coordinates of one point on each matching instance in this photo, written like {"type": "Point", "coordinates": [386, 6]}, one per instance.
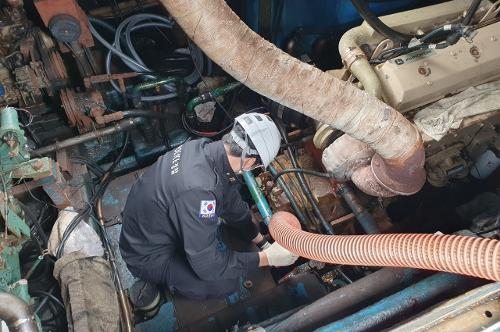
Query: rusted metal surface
{"type": "Point", "coordinates": [124, 6]}
{"type": "Point", "coordinates": [447, 164]}
{"type": "Point", "coordinates": [331, 207]}
{"type": "Point", "coordinates": [47, 9]}
{"type": "Point", "coordinates": [348, 299]}
{"type": "Point", "coordinates": [113, 200]}
{"type": "Point", "coordinates": [402, 176]}
{"type": "Point", "coordinates": [475, 310]}
{"type": "Point", "coordinates": [107, 118]}
{"type": "Point", "coordinates": [96, 79]}
{"type": "Point", "coordinates": [345, 155]}
{"type": "Point", "coordinates": [339, 221]}
{"type": "Point", "coordinates": [78, 104]}
{"type": "Point", "coordinates": [364, 180]}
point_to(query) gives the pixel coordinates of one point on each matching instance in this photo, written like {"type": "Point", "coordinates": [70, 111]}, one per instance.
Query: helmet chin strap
{"type": "Point", "coordinates": [246, 152]}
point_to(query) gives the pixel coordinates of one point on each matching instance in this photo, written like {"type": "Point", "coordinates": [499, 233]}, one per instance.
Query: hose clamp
{"type": "Point", "coordinates": [351, 55]}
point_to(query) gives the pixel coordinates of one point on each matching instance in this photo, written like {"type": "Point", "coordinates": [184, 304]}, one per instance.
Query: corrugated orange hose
{"type": "Point", "coordinates": [471, 256]}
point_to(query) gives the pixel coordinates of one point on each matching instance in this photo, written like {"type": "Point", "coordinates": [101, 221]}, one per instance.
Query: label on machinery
{"type": "Point", "coordinates": [413, 56]}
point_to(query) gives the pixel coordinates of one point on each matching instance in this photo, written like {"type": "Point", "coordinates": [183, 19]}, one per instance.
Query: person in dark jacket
{"type": "Point", "coordinates": [174, 210]}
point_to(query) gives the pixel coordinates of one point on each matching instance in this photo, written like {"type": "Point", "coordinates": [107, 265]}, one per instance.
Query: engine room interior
{"type": "Point", "coordinates": [260, 165]}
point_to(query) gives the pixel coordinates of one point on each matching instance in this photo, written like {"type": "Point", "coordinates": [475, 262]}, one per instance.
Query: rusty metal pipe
{"type": "Point", "coordinates": [17, 314]}
{"type": "Point", "coordinates": [348, 299]}
{"type": "Point", "coordinates": [477, 257]}
{"type": "Point", "coordinates": [396, 307]}
{"type": "Point", "coordinates": [118, 127]}
{"type": "Point", "coordinates": [264, 68]}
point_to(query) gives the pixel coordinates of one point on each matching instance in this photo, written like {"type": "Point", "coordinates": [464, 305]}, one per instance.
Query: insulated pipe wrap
{"type": "Point", "coordinates": [264, 68]}
{"type": "Point", "coordinates": [471, 256]}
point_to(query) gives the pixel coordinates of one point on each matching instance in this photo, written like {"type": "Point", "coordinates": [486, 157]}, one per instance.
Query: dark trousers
{"type": "Point", "coordinates": [184, 281]}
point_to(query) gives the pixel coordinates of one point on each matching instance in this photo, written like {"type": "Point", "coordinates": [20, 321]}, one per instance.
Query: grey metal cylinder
{"type": "Point", "coordinates": [17, 314]}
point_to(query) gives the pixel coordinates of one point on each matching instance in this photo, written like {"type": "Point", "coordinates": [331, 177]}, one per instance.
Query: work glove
{"type": "Point", "coordinates": [265, 243]}
{"type": "Point", "coordinates": [279, 256]}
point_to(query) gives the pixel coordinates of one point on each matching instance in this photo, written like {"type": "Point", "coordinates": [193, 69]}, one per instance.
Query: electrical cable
{"type": "Point", "coordinates": [50, 296]}
{"type": "Point", "coordinates": [471, 11]}
{"type": "Point", "coordinates": [293, 202]}
{"type": "Point", "coordinates": [378, 25]}
{"type": "Point", "coordinates": [208, 134]}
{"type": "Point", "coordinates": [106, 178]}
{"type": "Point", "coordinates": [303, 171]}
{"type": "Point", "coordinates": [134, 61]}
{"type": "Point", "coordinates": [36, 223]}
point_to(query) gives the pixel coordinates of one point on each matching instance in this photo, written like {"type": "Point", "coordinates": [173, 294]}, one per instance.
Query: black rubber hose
{"type": "Point", "coordinates": [293, 202]}
{"type": "Point", "coordinates": [307, 191]}
{"type": "Point", "coordinates": [104, 183]}
{"type": "Point", "coordinates": [138, 113]}
{"type": "Point", "coordinates": [303, 171]}
{"type": "Point", "coordinates": [378, 25]}
{"type": "Point", "coordinates": [36, 223]}
{"type": "Point", "coordinates": [471, 11]}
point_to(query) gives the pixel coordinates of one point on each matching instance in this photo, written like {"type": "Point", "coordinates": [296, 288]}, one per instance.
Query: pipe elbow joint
{"type": "Point", "coordinates": [402, 176]}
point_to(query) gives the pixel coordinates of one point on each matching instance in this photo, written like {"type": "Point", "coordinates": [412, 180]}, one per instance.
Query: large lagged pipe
{"type": "Point", "coordinates": [218, 31]}
{"type": "Point", "coordinates": [473, 256]}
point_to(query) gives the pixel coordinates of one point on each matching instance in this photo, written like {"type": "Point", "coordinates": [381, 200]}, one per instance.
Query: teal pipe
{"type": "Point", "coordinates": [258, 197]}
{"type": "Point", "coordinates": [211, 95]}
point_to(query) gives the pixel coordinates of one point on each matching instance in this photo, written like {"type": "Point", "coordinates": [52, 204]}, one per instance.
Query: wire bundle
{"type": "Point", "coordinates": [123, 47]}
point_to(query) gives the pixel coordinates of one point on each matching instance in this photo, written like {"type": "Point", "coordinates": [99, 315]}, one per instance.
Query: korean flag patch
{"type": "Point", "coordinates": [207, 209]}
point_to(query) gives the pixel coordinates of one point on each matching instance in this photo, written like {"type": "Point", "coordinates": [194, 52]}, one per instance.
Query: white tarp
{"type": "Point", "coordinates": [440, 117]}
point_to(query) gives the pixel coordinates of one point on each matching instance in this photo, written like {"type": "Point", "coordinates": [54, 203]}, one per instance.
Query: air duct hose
{"type": "Point", "coordinates": [473, 256]}
{"type": "Point", "coordinates": [218, 31]}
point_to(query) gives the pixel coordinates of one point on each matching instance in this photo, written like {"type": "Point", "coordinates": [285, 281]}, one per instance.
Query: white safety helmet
{"type": "Point", "coordinates": [262, 132]}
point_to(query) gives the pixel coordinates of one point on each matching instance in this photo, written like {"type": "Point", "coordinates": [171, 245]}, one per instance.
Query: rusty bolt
{"type": "Point", "coordinates": [37, 165]}
{"type": "Point", "coordinates": [248, 284]}
{"type": "Point", "coordinates": [276, 191]}
{"type": "Point", "coordinates": [474, 51]}
{"type": "Point", "coordinates": [424, 71]}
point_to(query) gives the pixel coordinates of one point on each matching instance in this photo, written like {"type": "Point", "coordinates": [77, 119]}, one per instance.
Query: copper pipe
{"type": "Point", "coordinates": [477, 257]}
{"type": "Point", "coordinates": [264, 68]}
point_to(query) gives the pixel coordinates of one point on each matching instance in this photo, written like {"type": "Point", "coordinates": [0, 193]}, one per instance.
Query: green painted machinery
{"type": "Point", "coordinates": [15, 163]}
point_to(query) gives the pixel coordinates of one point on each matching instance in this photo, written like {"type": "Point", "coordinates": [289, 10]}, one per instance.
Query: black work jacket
{"type": "Point", "coordinates": [174, 207]}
